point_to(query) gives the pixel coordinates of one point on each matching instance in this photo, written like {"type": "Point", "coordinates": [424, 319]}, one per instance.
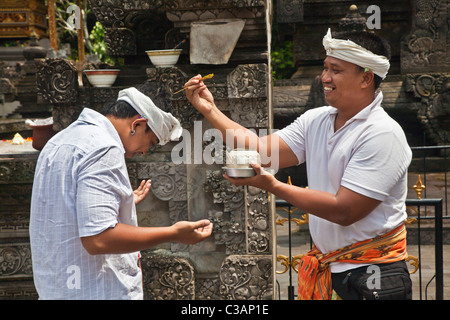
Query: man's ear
{"type": "Point", "coordinates": [368, 79]}
{"type": "Point", "coordinates": [137, 122]}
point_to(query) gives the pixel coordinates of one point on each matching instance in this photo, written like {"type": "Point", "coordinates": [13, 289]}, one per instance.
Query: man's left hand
{"type": "Point", "coordinates": [142, 191]}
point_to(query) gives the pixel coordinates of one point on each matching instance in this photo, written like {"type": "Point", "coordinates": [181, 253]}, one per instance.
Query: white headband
{"type": "Point", "coordinates": [165, 126]}
{"type": "Point", "coordinates": [351, 52]}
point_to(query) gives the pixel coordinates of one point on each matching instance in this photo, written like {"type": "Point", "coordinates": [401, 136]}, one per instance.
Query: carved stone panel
{"type": "Point", "coordinates": [259, 228]}
{"type": "Point", "coordinates": [246, 278]}
{"type": "Point", "coordinates": [289, 11]}
{"type": "Point", "coordinates": [425, 49]}
{"type": "Point", "coordinates": [167, 277]}
{"type": "Point", "coordinates": [248, 81]}
{"type": "Point", "coordinates": [15, 261]}
{"type": "Point", "coordinates": [433, 90]}
{"type": "Point", "coordinates": [229, 223]}
{"type": "Point", "coordinates": [57, 81]}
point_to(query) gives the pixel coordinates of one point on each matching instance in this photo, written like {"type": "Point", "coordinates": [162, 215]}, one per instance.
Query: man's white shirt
{"type": "Point", "coordinates": [81, 188]}
{"type": "Point", "coordinates": [368, 155]}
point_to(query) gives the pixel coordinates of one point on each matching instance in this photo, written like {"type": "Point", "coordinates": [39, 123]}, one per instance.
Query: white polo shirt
{"type": "Point", "coordinates": [368, 155]}
{"type": "Point", "coordinates": [81, 188]}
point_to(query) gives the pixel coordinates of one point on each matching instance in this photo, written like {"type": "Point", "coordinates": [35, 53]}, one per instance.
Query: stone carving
{"type": "Point", "coordinates": [289, 11]}
{"type": "Point", "coordinates": [168, 180]}
{"type": "Point", "coordinates": [63, 116]}
{"type": "Point", "coordinates": [14, 224]}
{"type": "Point", "coordinates": [18, 290]}
{"type": "Point", "coordinates": [169, 183]}
{"type": "Point", "coordinates": [15, 261]}
{"type": "Point", "coordinates": [15, 196]}
{"type": "Point", "coordinates": [120, 41]}
{"type": "Point", "coordinates": [434, 92]}
{"type": "Point", "coordinates": [353, 21]}
{"type": "Point", "coordinates": [250, 113]}
{"type": "Point", "coordinates": [246, 278]}
{"type": "Point", "coordinates": [17, 171]}
{"type": "Point", "coordinates": [167, 277]}
{"type": "Point", "coordinates": [425, 48]}
{"type": "Point", "coordinates": [228, 224]}
{"type": "Point", "coordinates": [190, 5]}
{"type": "Point", "coordinates": [116, 13]}
{"type": "Point", "coordinates": [258, 221]}
{"type": "Point", "coordinates": [207, 287]}
{"type": "Point", "coordinates": [185, 113]}
{"type": "Point", "coordinates": [173, 79]}
{"type": "Point", "coordinates": [56, 81]}
{"type": "Point", "coordinates": [132, 27]}
{"type": "Point", "coordinates": [247, 81]}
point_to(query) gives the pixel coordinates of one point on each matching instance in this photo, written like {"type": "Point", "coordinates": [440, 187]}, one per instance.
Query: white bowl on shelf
{"type": "Point", "coordinates": [164, 58]}
{"type": "Point", "coordinates": [102, 77]}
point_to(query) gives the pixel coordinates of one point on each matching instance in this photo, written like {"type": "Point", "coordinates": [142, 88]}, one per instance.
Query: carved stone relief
{"type": "Point", "coordinates": [425, 49]}
{"type": "Point", "coordinates": [15, 261]}
{"type": "Point", "coordinates": [289, 11]}
{"type": "Point", "coordinates": [131, 27]}
{"type": "Point", "coordinates": [258, 223]}
{"type": "Point", "coordinates": [434, 92]}
{"type": "Point", "coordinates": [56, 81]}
{"type": "Point", "coordinates": [248, 81]}
{"type": "Point", "coordinates": [246, 278]}
{"type": "Point", "coordinates": [120, 41]}
{"type": "Point", "coordinates": [229, 223]}
{"type": "Point", "coordinates": [167, 278]}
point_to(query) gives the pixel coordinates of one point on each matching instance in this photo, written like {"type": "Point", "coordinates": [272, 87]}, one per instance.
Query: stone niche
{"type": "Point", "coordinates": [237, 261]}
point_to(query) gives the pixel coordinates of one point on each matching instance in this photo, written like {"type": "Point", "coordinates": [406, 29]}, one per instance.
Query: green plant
{"type": "Point", "coordinates": [282, 59]}
{"type": "Point", "coordinates": [98, 43]}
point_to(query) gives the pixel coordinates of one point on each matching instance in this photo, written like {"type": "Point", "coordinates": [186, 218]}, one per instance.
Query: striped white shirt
{"type": "Point", "coordinates": [81, 187]}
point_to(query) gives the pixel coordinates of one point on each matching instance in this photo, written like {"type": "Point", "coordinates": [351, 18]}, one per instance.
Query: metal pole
{"type": "Point", "coordinates": [290, 287]}
{"type": "Point", "coordinates": [438, 247]}
{"type": "Point", "coordinates": [439, 261]}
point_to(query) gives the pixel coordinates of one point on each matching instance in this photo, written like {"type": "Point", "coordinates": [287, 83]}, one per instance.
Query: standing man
{"type": "Point", "coordinates": [84, 237]}
{"type": "Point", "coordinates": [357, 159]}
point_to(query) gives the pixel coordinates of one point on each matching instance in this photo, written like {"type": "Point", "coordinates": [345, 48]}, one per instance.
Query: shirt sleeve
{"type": "Point", "coordinates": [376, 165]}
{"type": "Point", "coordinates": [294, 136]}
{"type": "Point", "coordinates": [101, 186]}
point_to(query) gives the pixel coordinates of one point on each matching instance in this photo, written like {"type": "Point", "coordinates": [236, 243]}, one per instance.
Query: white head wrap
{"type": "Point", "coordinates": [165, 126]}
{"type": "Point", "coordinates": [351, 52]}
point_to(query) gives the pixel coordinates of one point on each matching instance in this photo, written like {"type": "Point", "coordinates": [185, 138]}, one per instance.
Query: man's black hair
{"type": "Point", "coordinates": [371, 42]}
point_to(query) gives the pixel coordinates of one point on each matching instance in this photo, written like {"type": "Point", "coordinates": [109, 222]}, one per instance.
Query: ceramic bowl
{"type": "Point", "coordinates": [102, 77]}
{"type": "Point", "coordinates": [164, 58]}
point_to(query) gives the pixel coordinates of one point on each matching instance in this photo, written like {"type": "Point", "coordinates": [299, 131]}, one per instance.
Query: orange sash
{"type": "Point", "coordinates": [314, 275]}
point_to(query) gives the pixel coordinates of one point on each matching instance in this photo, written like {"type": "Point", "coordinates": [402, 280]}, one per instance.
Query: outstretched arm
{"type": "Point", "coordinates": [124, 238]}
{"type": "Point", "coordinates": [233, 134]}
{"type": "Point", "coordinates": [343, 208]}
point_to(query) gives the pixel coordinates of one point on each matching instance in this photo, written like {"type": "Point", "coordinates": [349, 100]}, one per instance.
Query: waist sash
{"type": "Point", "coordinates": [314, 275]}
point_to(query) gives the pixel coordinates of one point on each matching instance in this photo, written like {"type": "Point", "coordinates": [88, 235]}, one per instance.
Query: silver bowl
{"type": "Point", "coordinates": [239, 172]}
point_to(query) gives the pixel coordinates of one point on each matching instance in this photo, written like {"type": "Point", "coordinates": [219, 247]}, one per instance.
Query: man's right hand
{"type": "Point", "coordinates": [188, 232]}
{"type": "Point", "coordinates": [199, 95]}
